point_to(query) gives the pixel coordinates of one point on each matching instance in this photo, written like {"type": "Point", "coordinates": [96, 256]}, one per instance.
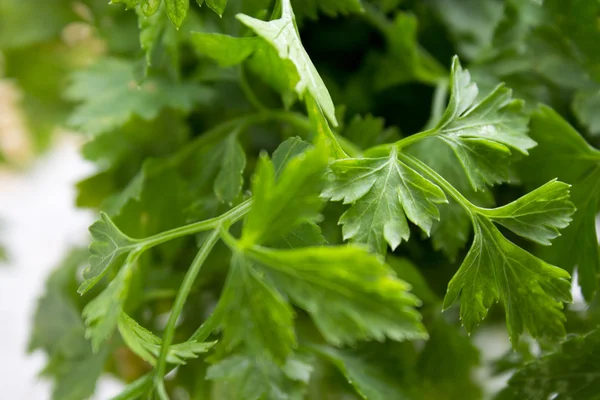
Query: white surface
{"type": "Point", "coordinates": [39, 224]}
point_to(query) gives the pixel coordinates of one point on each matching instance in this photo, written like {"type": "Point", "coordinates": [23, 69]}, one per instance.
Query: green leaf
{"type": "Point", "coordinates": [565, 155]}
{"type": "Point", "coordinates": [483, 135]}
{"type": "Point", "coordinates": [369, 131]}
{"type": "Point", "coordinates": [531, 290]}
{"type": "Point", "coordinates": [538, 215]}
{"type": "Point", "coordinates": [151, 29]}
{"type": "Point", "coordinates": [217, 6]}
{"type": "Point", "coordinates": [159, 41]}
{"type": "Point", "coordinates": [59, 330]}
{"type": "Point", "coordinates": [305, 235]}
{"type": "Point", "coordinates": [249, 300]}
{"type": "Point", "coordinates": [585, 106]}
{"type": "Point", "coordinates": [254, 377]}
{"type": "Point", "coordinates": [350, 294]}
{"type": "Point", "coordinates": [147, 345]}
{"type": "Point", "coordinates": [57, 316]}
{"type": "Point", "coordinates": [110, 96]}
{"type": "Point", "coordinates": [177, 10]}
{"type": "Point", "coordinates": [230, 179]}
{"type": "Point", "coordinates": [149, 7]}
{"type": "Point", "coordinates": [570, 372]}
{"type": "Point", "coordinates": [225, 50]}
{"type": "Point", "coordinates": [107, 247]}
{"type": "Point", "coordinates": [281, 206]}
{"type": "Point", "coordinates": [76, 372]}
{"type": "Point", "coordinates": [286, 151]}
{"type": "Point", "coordinates": [446, 367]}
{"type": "Point", "coordinates": [103, 312]}
{"type": "Point", "coordinates": [369, 381]}
{"type": "Point", "coordinates": [383, 193]}
{"type": "Point", "coordinates": [409, 273]}
{"type": "Point", "coordinates": [405, 59]}
{"type": "Point", "coordinates": [283, 35]}
{"type": "Point", "coordinates": [129, 4]}
{"type": "Point", "coordinates": [262, 59]}
{"type": "Point", "coordinates": [471, 22]}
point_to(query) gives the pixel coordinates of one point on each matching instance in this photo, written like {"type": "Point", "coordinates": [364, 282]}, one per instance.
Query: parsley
{"type": "Point", "coordinates": [290, 192]}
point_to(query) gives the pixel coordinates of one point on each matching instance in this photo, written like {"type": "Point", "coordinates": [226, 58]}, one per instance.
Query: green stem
{"type": "Point", "coordinates": [136, 389]}
{"type": "Point", "coordinates": [248, 92]}
{"type": "Point", "coordinates": [230, 217]}
{"type": "Point", "coordinates": [437, 178]}
{"type": "Point", "coordinates": [407, 141]}
{"type": "Point", "coordinates": [184, 291]}
{"type": "Point", "coordinates": [383, 150]}
{"type": "Point", "coordinates": [347, 146]}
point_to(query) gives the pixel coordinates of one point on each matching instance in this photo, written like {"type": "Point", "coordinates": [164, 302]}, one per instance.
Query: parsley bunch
{"type": "Point", "coordinates": [263, 236]}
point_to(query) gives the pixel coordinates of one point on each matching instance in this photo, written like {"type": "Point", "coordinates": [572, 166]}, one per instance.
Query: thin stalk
{"type": "Point", "coordinates": [248, 92]}
{"type": "Point", "coordinates": [407, 141]}
{"type": "Point", "coordinates": [383, 150]}
{"type": "Point", "coordinates": [184, 291]}
{"type": "Point", "coordinates": [437, 178]}
{"type": "Point", "coordinates": [231, 216]}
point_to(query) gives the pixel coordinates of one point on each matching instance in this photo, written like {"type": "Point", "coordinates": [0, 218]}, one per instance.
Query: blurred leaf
{"type": "Point", "coordinates": [562, 153]}
{"type": "Point", "coordinates": [110, 96]}
{"type": "Point", "coordinates": [570, 371]}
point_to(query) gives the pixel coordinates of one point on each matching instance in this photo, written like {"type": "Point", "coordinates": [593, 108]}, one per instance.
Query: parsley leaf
{"type": "Point", "coordinates": [483, 134]}
{"type": "Point", "coordinates": [350, 294]}
{"type": "Point", "coordinates": [147, 345]}
{"type": "Point", "coordinates": [291, 201]}
{"type": "Point", "coordinates": [106, 249]}
{"type": "Point", "coordinates": [103, 312]}
{"type": "Point", "coordinates": [283, 35]}
{"type": "Point", "coordinates": [217, 6]}
{"type": "Point", "coordinates": [539, 214]}
{"type": "Point", "coordinates": [110, 96]}
{"type": "Point", "coordinates": [177, 10]}
{"type": "Point", "coordinates": [531, 290]}
{"type": "Point", "coordinates": [382, 191]}
{"type": "Point", "coordinates": [571, 370]}
{"type": "Point", "coordinates": [368, 381]}
{"type": "Point", "coordinates": [565, 155]}
{"type": "Point", "coordinates": [59, 329]}
{"type": "Point", "coordinates": [254, 377]}
{"type": "Point", "coordinates": [406, 60]}
{"type": "Point", "coordinates": [224, 49]}
{"type": "Point", "coordinates": [149, 7]}
{"type": "Point", "coordinates": [249, 300]}
{"type": "Point", "coordinates": [262, 59]}
{"type": "Point", "coordinates": [229, 181]}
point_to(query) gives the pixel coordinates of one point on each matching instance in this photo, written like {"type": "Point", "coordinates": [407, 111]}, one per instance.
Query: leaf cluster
{"type": "Point", "coordinates": [291, 192]}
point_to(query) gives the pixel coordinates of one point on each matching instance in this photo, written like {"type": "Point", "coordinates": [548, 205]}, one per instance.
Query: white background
{"type": "Point", "coordinates": [39, 224]}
